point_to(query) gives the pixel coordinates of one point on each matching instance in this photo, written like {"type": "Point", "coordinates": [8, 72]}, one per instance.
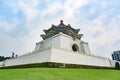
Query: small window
{"type": "Point", "coordinates": [75, 48]}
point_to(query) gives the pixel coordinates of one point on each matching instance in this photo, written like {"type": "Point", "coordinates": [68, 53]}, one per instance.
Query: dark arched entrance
{"type": "Point", "coordinates": [117, 66]}
{"type": "Point", "coordinates": [75, 48]}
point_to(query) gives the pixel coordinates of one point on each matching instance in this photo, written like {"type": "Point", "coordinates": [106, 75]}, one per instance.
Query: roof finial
{"type": "Point", "coordinates": [61, 21]}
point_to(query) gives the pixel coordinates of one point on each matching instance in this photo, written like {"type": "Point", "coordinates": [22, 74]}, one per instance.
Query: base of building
{"type": "Point", "coordinates": [55, 65]}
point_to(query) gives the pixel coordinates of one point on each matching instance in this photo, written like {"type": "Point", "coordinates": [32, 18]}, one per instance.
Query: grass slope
{"type": "Point", "coordinates": [59, 74]}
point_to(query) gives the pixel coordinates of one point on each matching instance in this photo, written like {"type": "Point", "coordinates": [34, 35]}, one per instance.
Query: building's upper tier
{"type": "Point", "coordinates": [66, 29]}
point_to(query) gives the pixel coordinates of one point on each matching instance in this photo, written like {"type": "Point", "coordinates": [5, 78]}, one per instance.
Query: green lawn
{"type": "Point", "coordinates": [58, 74]}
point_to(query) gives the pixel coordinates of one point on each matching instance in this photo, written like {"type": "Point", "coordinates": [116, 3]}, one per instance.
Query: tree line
{"type": "Point", "coordinates": [2, 58]}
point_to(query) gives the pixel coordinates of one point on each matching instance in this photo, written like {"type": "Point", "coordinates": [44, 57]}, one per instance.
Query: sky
{"type": "Point", "coordinates": [22, 22]}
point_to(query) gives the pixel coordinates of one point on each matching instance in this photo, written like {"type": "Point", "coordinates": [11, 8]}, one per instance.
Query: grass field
{"type": "Point", "coordinates": [58, 74]}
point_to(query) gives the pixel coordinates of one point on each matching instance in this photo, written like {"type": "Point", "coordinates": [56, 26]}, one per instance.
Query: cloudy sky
{"type": "Point", "coordinates": [22, 22]}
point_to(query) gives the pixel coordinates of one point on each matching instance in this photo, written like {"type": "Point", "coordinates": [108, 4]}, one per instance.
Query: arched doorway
{"type": "Point", "coordinates": [75, 48]}
{"type": "Point", "coordinates": [117, 66]}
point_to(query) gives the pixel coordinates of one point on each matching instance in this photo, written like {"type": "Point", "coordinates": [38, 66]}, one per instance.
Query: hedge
{"type": "Point", "coordinates": [55, 65]}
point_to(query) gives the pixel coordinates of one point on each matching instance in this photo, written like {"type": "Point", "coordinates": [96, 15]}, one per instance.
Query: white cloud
{"type": "Point", "coordinates": [7, 27]}
{"type": "Point", "coordinates": [102, 44]}
{"type": "Point", "coordinates": [71, 6]}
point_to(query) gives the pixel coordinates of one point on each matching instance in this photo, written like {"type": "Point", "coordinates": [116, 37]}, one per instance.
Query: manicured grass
{"type": "Point", "coordinates": [58, 74]}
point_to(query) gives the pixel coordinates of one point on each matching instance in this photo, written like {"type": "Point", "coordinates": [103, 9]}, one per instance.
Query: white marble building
{"type": "Point", "coordinates": [61, 44]}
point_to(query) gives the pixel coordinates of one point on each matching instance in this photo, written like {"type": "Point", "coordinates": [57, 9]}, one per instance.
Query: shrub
{"type": "Point", "coordinates": [56, 65]}
{"type": "Point", "coordinates": [117, 66]}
